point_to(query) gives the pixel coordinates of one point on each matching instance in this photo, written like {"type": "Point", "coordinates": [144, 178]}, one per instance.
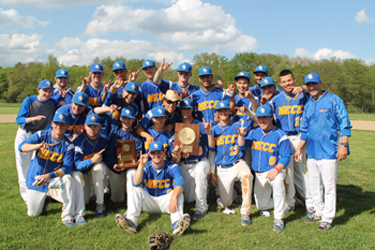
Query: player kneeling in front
{"type": "Point", "coordinates": [159, 194]}
{"type": "Point", "coordinates": [271, 153]}
{"type": "Point", "coordinates": [223, 138]}
{"type": "Point", "coordinates": [50, 168]}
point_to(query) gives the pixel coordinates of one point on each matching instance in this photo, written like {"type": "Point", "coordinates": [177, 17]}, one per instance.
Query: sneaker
{"type": "Point", "coordinates": [278, 225]}
{"type": "Point", "coordinates": [265, 213]}
{"type": "Point", "coordinates": [68, 222]}
{"type": "Point", "coordinates": [198, 215]}
{"type": "Point", "coordinates": [218, 201]}
{"type": "Point", "coordinates": [245, 220]}
{"type": "Point", "coordinates": [100, 210]}
{"type": "Point", "coordinates": [288, 208]}
{"type": "Point", "coordinates": [310, 211]}
{"type": "Point", "coordinates": [324, 226]}
{"type": "Point", "coordinates": [81, 221]}
{"type": "Point", "coordinates": [179, 227]}
{"type": "Point", "coordinates": [126, 224]}
{"type": "Point", "coordinates": [312, 218]}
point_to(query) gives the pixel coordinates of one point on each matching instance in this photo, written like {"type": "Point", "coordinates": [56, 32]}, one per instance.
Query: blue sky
{"type": "Point", "coordinates": [77, 31]}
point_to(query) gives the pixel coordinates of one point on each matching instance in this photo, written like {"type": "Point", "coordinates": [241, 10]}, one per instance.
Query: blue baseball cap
{"type": "Point", "coordinates": [243, 74]}
{"type": "Point", "coordinates": [80, 98]}
{"type": "Point", "coordinates": [186, 103]}
{"type": "Point", "coordinates": [96, 67]}
{"type": "Point", "coordinates": [127, 112]}
{"type": "Point", "coordinates": [312, 77]}
{"type": "Point", "coordinates": [261, 68]}
{"type": "Point", "coordinates": [62, 73]}
{"type": "Point", "coordinates": [265, 110]}
{"type": "Point", "coordinates": [222, 105]}
{"type": "Point", "coordinates": [156, 146]}
{"type": "Point", "coordinates": [148, 63]}
{"type": "Point", "coordinates": [184, 67]}
{"type": "Point", "coordinates": [205, 71]}
{"type": "Point", "coordinates": [158, 112]}
{"type": "Point", "coordinates": [132, 87]}
{"type": "Point", "coordinates": [45, 84]}
{"type": "Point", "coordinates": [266, 82]}
{"type": "Point", "coordinates": [118, 65]}
{"type": "Point", "coordinates": [61, 117]}
{"type": "Point", "coordinates": [93, 119]}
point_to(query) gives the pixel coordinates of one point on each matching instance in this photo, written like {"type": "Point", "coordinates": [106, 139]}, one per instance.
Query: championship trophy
{"type": "Point", "coordinates": [187, 136]}
{"type": "Point", "coordinates": [126, 154]}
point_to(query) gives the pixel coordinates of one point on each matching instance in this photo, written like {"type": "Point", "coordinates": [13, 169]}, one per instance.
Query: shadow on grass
{"type": "Point", "coordinates": [353, 201]}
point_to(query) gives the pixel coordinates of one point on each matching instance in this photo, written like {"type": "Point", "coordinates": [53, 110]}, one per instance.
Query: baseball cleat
{"type": "Point", "coordinates": [125, 224]}
{"type": "Point", "coordinates": [218, 201]}
{"type": "Point", "coordinates": [100, 210]}
{"type": "Point", "coordinates": [81, 221]}
{"type": "Point", "coordinates": [265, 213]}
{"type": "Point", "coordinates": [288, 208]}
{"type": "Point", "coordinates": [68, 222]}
{"type": "Point", "coordinates": [278, 225]}
{"type": "Point", "coordinates": [324, 226]}
{"type": "Point", "coordinates": [198, 215]}
{"type": "Point", "coordinates": [312, 218]}
{"type": "Point", "coordinates": [180, 226]}
{"type": "Point", "coordinates": [245, 220]}
{"type": "Point", "coordinates": [310, 211]}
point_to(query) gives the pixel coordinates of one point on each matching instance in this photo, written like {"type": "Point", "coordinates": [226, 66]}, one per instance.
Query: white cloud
{"type": "Point", "coordinates": [21, 48]}
{"type": "Point", "coordinates": [324, 53]}
{"type": "Point", "coordinates": [361, 17]}
{"type": "Point", "coordinates": [49, 4]}
{"type": "Point", "coordinates": [186, 25]}
{"type": "Point", "coordinates": [71, 51]}
{"type": "Point", "coordinates": [13, 18]}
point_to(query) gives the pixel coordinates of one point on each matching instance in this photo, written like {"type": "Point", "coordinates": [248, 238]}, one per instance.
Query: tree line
{"type": "Point", "coordinates": [351, 79]}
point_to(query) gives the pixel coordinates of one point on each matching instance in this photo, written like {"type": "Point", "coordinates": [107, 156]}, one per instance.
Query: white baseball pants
{"type": "Point", "coordinates": [226, 179]}
{"type": "Point", "coordinates": [195, 177]}
{"type": "Point", "coordinates": [35, 199]}
{"type": "Point", "coordinates": [23, 160]}
{"type": "Point", "coordinates": [263, 188]}
{"type": "Point", "coordinates": [323, 178]}
{"type": "Point", "coordinates": [140, 200]}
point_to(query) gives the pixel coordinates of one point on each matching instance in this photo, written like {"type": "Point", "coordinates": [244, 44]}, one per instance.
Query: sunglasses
{"type": "Point", "coordinates": [172, 102]}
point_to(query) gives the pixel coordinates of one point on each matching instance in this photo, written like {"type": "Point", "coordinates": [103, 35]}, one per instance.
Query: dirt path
{"type": "Point", "coordinates": [358, 125]}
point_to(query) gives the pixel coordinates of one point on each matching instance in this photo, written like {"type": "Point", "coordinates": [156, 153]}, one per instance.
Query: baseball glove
{"type": "Point", "coordinates": [159, 240]}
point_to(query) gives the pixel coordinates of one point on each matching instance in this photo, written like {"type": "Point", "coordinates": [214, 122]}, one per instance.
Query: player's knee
{"type": "Point", "coordinates": [98, 167]}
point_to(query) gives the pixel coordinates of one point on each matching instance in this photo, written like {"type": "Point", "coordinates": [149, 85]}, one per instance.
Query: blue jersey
{"type": "Point", "coordinates": [56, 94]}
{"type": "Point", "coordinates": [160, 181]}
{"type": "Point", "coordinates": [267, 148]}
{"type": "Point", "coordinates": [94, 95]}
{"type": "Point", "coordinates": [163, 136]}
{"type": "Point", "coordinates": [242, 101]}
{"type": "Point", "coordinates": [258, 93]}
{"type": "Point", "coordinates": [31, 107]}
{"type": "Point", "coordinates": [204, 103]}
{"type": "Point", "coordinates": [117, 99]}
{"type": "Point", "coordinates": [226, 144]}
{"type": "Point", "coordinates": [75, 121]}
{"type": "Point", "coordinates": [192, 88]}
{"type": "Point", "coordinates": [84, 150]}
{"type": "Point", "coordinates": [322, 120]}
{"type": "Point", "coordinates": [60, 155]}
{"type": "Point", "coordinates": [203, 144]}
{"type": "Point", "coordinates": [115, 133]}
{"type": "Point", "coordinates": [147, 119]}
{"type": "Point", "coordinates": [151, 95]}
{"type": "Point", "coordinates": [288, 111]}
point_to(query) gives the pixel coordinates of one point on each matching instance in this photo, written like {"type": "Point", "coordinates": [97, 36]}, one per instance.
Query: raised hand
{"type": "Point", "coordinates": [297, 90]}
{"type": "Point", "coordinates": [98, 157]}
{"type": "Point", "coordinates": [44, 146]}
{"type": "Point", "coordinates": [207, 126]}
{"type": "Point", "coordinates": [133, 76]}
{"type": "Point", "coordinates": [86, 80]}
{"type": "Point", "coordinates": [185, 153]}
{"type": "Point", "coordinates": [165, 65]}
{"type": "Point", "coordinates": [113, 108]}
{"type": "Point", "coordinates": [64, 93]}
{"type": "Point", "coordinates": [177, 150]}
{"type": "Point", "coordinates": [106, 86]}
{"type": "Point", "coordinates": [248, 94]}
{"type": "Point", "coordinates": [241, 130]}
{"type": "Point", "coordinates": [143, 158]}
{"type": "Point", "coordinates": [184, 92]}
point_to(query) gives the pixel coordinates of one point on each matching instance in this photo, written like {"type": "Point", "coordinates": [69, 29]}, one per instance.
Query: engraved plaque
{"type": "Point", "coordinates": [187, 135]}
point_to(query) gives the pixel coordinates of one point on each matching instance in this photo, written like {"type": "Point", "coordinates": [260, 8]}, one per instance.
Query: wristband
{"type": "Point", "coordinates": [278, 170]}
{"type": "Point", "coordinates": [53, 174]}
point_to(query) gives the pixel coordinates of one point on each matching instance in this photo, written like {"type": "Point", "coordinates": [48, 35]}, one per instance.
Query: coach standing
{"type": "Point", "coordinates": [324, 118]}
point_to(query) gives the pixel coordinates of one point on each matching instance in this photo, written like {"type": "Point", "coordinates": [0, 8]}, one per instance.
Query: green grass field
{"type": "Point", "coordinates": [9, 108]}
{"type": "Point", "coordinates": [353, 224]}
{"type": "Point", "coordinates": [362, 117]}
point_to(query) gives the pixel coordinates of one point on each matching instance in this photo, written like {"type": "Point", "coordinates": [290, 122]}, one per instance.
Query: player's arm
{"type": "Point", "coordinates": [32, 143]}
{"type": "Point", "coordinates": [342, 117]}
{"type": "Point", "coordinates": [178, 188]}
{"type": "Point", "coordinates": [85, 83]}
{"type": "Point", "coordinates": [141, 132]}
{"type": "Point", "coordinates": [163, 66]}
{"type": "Point", "coordinates": [138, 176]}
{"type": "Point", "coordinates": [285, 151]}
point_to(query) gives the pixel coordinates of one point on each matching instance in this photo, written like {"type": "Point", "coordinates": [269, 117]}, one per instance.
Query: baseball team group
{"type": "Point", "coordinates": [257, 141]}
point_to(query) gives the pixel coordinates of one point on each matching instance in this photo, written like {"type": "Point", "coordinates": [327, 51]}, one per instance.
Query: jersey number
{"type": "Point", "coordinates": [234, 150]}
{"type": "Point", "coordinates": [272, 160]}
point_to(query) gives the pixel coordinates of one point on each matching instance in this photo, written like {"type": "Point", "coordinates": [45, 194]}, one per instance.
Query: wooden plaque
{"type": "Point", "coordinates": [187, 135]}
{"type": "Point", "coordinates": [126, 154]}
